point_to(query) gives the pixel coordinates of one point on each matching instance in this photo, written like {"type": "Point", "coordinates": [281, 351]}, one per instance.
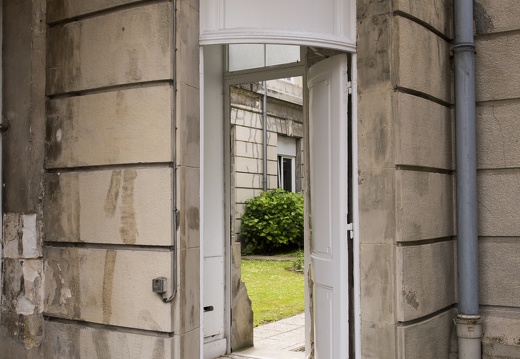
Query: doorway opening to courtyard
{"type": "Point", "coordinates": [266, 136]}
{"type": "Point", "coordinates": [327, 170]}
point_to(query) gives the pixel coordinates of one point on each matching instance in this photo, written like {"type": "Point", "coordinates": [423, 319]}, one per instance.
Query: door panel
{"type": "Point", "coordinates": [328, 120]}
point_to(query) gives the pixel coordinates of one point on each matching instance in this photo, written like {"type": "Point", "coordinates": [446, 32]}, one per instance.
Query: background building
{"type": "Point", "coordinates": [284, 139]}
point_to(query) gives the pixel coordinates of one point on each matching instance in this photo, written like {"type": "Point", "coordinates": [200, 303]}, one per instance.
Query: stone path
{"type": "Point", "coordinates": [278, 340]}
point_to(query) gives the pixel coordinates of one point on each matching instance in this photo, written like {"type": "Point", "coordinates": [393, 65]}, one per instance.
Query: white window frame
{"type": "Point", "coordinates": [281, 176]}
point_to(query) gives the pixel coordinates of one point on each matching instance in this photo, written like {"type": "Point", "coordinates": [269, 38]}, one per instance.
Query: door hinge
{"type": "Point", "coordinates": [350, 229]}
{"type": "Point", "coordinates": [349, 87]}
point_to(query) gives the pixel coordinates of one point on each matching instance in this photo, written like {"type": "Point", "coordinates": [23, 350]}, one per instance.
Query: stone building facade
{"type": "Point", "coordinates": [284, 129]}
{"type": "Point", "coordinates": [101, 178]}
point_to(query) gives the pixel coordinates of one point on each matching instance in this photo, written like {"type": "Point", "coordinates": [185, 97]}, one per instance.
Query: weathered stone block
{"type": "Point", "coordinates": [437, 13]}
{"type": "Point", "coordinates": [193, 3]}
{"type": "Point", "coordinates": [377, 270]}
{"type": "Point", "coordinates": [378, 340]}
{"type": "Point", "coordinates": [186, 307]}
{"type": "Point", "coordinates": [12, 348]}
{"type": "Point", "coordinates": [497, 198]}
{"type": "Point", "coordinates": [498, 72]}
{"type": "Point", "coordinates": [243, 194]}
{"type": "Point", "coordinates": [107, 286]}
{"type": "Point", "coordinates": [248, 165]}
{"type": "Point", "coordinates": [127, 206]}
{"type": "Point", "coordinates": [242, 326]}
{"type": "Point", "coordinates": [272, 181]}
{"type": "Point", "coordinates": [187, 49]}
{"type": "Point", "coordinates": [247, 134]}
{"type": "Point", "coordinates": [187, 345]}
{"type": "Point", "coordinates": [272, 167]}
{"type": "Point", "coordinates": [188, 126]}
{"type": "Point", "coordinates": [248, 117]}
{"type": "Point", "coordinates": [285, 126]}
{"type": "Point", "coordinates": [63, 341]}
{"type": "Point", "coordinates": [248, 180]}
{"type": "Point", "coordinates": [501, 332]}
{"type": "Point", "coordinates": [24, 330]}
{"type": "Point", "coordinates": [126, 126]}
{"type": "Point", "coordinates": [499, 271]}
{"type": "Point", "coordinates": [497, 135]}
{"type": "Point", "coordinates": [22, 236]}
{"type": "Point", "coordinates": [377, 206]}
{"type": "Point", "coordinates": [374, 52]}
{"type": "Point", "coordinates": [127, 46]}
{"type": "Point", "coordinates": [496, 16]}
{"type": "Point", "coordinates": [64, 9]}
{"type": "Point", "coordinates": [376, 129]}
{"type": "Point", "coordinates": [416, 340]}
{"type": "Point", "coordinates": [367, 8]}
{"type": "Point", "coordinates": [188, 205]}
{"type": "Point", "coordinates": [22, 287]}
{"type": "Point", "coordinates": [425, 205]}
{"type": "Point", "coordinates": [424, 133]}
{"type": "Point", "coordinates": [252, 150]}
{"type": "Point", "coordinates": [23, 104]}
{"type": "Point", "coordinates": [425, 279]}
{"type": "Point", "coordinates": [422, 60]}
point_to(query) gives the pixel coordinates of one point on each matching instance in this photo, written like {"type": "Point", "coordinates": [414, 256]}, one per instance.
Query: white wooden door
{"type": "Point", "coordinates": [328, 135]}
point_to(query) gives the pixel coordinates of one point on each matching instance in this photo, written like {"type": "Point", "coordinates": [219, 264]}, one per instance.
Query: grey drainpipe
{"type": "Point", "coordinates": [264, 129]}
{"type": "Point", "coordinates": [469, 328]}
{"type": "Point", "coordinates": [2, 129]}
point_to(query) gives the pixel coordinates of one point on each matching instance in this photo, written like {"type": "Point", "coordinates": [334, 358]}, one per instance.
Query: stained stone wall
{"type": "Point", "coordinates": [406, 178]}
{"type": "Point", "coordinates": [497, 33]}
{"type": "Point", "coordinates": [23, 75]}
{"type": "Point", "coordinates": [97, 114]}
{"type": "Point", "coordinates": [100, 168]}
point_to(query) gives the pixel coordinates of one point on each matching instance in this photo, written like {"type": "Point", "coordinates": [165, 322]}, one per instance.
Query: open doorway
{"type": "Point", "coordinates": [327, 197]}
{"type": "Point", "coordinates": [266, 119]}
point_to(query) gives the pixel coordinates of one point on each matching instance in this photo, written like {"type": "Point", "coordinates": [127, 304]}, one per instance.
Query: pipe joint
{"type": "Point", "coordinates": [464, 47]}
{"type": "Point", "coordinates": [469, 334]}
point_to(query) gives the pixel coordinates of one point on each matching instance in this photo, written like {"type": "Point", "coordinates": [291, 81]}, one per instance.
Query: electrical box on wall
{"type": "Point", "coordinates": [159, 285]}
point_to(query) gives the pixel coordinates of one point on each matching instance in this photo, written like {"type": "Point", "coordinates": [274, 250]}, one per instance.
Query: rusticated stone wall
{"type": "Point", "coordinates": [406, 178]}
{"type": "Point", "coordinates": [497, 35]}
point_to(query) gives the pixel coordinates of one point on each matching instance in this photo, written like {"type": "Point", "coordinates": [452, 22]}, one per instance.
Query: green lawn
{"type": "Point", "coordinates": [275, 292]}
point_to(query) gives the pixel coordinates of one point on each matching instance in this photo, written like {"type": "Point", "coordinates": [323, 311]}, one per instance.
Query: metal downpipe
{"type": "Point", "coordinates": [264, 133]}
{"type": "Point", "coordinates": [469, 328]}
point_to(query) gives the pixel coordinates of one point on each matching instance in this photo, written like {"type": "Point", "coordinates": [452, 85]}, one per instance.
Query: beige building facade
{"type": "Point", "coordinates": [102, 193]}
{"type": "Point", "coordinates": [284, 114]}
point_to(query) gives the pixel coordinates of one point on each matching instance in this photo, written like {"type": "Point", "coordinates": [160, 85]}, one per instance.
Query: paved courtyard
{"type": "Point", "coordinates": [284, 339]}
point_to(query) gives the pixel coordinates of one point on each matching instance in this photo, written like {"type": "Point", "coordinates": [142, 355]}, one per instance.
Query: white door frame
{"type": "Point", "coordinates": [259, 75]}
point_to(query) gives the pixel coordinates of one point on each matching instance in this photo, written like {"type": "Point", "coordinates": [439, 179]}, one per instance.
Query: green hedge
{"type": "Point", "coordinates": [272, 222]}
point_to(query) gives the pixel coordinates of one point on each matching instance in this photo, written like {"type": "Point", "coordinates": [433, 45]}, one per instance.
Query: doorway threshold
{"type": "Point", "coordinates": [262, 353]}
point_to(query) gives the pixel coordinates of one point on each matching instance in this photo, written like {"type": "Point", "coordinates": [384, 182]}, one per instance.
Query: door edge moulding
{"type": "Point", "coordinates": [244, 36]}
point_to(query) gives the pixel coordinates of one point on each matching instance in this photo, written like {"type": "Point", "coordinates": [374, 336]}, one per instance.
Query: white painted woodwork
{"type": "Point", "coordinates": [328, 131]}
{"type": "Point", "coordinates": [286, 146]}
{"type": "Point", "coordinates": [325, 23]}
{"type": "Point", "coordinates": [212, 203]}
{"type": "Point", "coordinates": [250, 56]}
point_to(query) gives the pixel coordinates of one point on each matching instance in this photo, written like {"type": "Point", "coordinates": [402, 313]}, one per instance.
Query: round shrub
{"type": "Point", "coordinates": [272, 221]}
